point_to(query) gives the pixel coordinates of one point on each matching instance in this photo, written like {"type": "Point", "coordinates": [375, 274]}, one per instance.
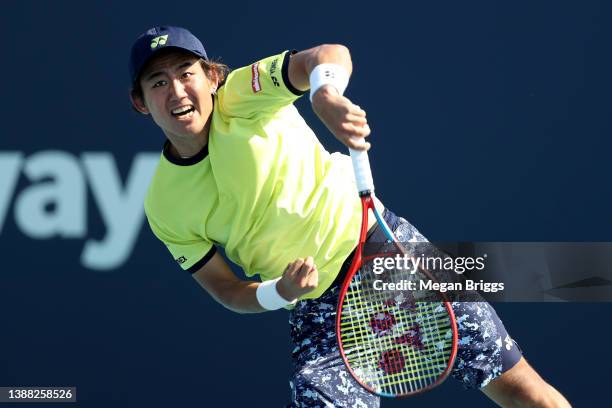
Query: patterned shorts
{"type": "Point", "coordinates": [320, 379]}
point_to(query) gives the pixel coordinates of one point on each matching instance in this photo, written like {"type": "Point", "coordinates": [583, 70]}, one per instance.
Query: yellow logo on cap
{"type": "Point", "coordinates": [159, 41]}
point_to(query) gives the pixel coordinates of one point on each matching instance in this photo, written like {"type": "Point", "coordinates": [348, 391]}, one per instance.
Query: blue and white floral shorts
{"type": "Point", "coordinates": [320, 379]}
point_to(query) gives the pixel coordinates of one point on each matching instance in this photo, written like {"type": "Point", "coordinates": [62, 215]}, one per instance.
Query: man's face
{"type": "Point", "coordinates": [177, 93]}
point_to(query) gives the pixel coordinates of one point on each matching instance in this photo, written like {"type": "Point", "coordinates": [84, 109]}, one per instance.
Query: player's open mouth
{"type": "Point", "coordinates": [182, 111]}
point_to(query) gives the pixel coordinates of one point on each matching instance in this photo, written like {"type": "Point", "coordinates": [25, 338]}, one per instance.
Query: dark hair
{"type": "Point", "coordinates": [209, 66]}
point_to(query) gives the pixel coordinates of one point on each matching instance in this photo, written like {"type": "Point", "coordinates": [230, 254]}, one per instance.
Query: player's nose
{"type": "Point", "coordinates": [178, 89]}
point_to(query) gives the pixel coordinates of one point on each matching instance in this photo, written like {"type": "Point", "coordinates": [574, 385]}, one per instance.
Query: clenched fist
{"type": "Point", "coordinates": [344, 119]}
{"type": "Point", "coordinates": [300, 277]}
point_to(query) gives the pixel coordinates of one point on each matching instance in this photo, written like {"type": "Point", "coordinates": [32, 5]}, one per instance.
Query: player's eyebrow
{"type": "Point", "coordinates": [178, 68]}
{"type": "Point", "coordinates": [184, 65]}
{"type": "Point", "coordinates": [153, 75]}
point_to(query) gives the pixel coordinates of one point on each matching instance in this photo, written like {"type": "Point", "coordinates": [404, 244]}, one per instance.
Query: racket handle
{"type": "Point", "coordinates": [363, 173]}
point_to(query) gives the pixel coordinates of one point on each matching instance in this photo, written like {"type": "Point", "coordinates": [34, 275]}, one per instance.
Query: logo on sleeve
{"type": "Point", "coordinates": [181, 260]}
{"type": "Point", "coordinates": [159, 41]}
{"type": "Point", "coordinates": [273, 67]}
{"type": "Point", "coordinates": [255, 84]}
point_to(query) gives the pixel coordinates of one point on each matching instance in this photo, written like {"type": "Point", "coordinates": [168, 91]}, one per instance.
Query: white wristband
{"type": "Point", "coordinates": [328, 74]}
{"type": "Point", "coordinates": [269, 298]}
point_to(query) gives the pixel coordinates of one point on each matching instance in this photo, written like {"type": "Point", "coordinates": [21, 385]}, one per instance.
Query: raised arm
{"type": "Point", "coordinates": [344, 119]}
{"type": "Point", "coordinates": [303, 62]}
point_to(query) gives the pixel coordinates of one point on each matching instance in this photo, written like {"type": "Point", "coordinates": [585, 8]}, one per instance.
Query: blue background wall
{"type": "Point", "coordinates": [493, 117]}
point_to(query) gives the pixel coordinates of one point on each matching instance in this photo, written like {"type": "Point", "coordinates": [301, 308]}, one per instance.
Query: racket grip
{"type": "Point", "coordinates": [363, 173]}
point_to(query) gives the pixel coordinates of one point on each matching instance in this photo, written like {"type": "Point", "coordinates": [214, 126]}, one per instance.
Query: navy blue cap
{"type": "Point", "coordinates": [159, 38]}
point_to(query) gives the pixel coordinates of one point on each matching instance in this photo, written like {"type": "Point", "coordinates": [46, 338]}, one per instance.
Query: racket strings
{"type": "Point", "coordinates": [395, 345]}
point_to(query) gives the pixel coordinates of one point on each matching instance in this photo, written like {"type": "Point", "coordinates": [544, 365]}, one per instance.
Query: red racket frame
{"type": "Point", "coordinates": [367, 203]}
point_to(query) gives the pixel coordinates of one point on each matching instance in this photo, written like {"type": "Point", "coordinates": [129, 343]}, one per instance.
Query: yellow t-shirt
{"type": "Point", "coordinates": [264, 188]}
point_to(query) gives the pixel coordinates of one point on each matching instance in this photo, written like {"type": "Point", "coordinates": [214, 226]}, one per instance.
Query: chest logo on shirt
{"type": "Point", "coordinates": [255, 84]}
{"type": "Point", "coordinates": [181, 260]}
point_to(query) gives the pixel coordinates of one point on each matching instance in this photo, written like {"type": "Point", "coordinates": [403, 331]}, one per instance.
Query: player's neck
{"type": "Point", "coordinates": [184, 147]}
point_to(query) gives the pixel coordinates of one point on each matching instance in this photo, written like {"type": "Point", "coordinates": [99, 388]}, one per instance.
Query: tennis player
{"type": "Point", "coordinates": [241, 169]}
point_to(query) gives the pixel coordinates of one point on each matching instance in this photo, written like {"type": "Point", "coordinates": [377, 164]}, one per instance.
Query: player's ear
{"type": "Point", "coordinates": [212, 74]}
{"type": "Point", "coordinates": [138, 102]}
{"type": "Point", "coordinates": [214, 81]}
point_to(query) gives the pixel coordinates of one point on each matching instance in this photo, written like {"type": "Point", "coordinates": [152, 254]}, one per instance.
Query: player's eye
{"type": "Point", "coordinates": [159, 83]}
{"type": "Point", "coordinates": [186, 75]}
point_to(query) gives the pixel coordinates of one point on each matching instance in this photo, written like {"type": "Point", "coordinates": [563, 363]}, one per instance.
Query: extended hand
{"type": "Point", "coordinates": [300, 277]}
{"type": "Point", "coordinates": [344, 119]}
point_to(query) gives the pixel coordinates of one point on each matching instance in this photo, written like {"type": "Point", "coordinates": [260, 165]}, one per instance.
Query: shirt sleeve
{"type": "Point", "coordinates": [190, 254]}
{"type": "Point", "coordinates": [261, 86]}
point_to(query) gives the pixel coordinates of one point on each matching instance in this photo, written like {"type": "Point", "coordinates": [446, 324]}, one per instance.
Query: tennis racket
{"type": "Point", "coordinates": [393, 343]}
